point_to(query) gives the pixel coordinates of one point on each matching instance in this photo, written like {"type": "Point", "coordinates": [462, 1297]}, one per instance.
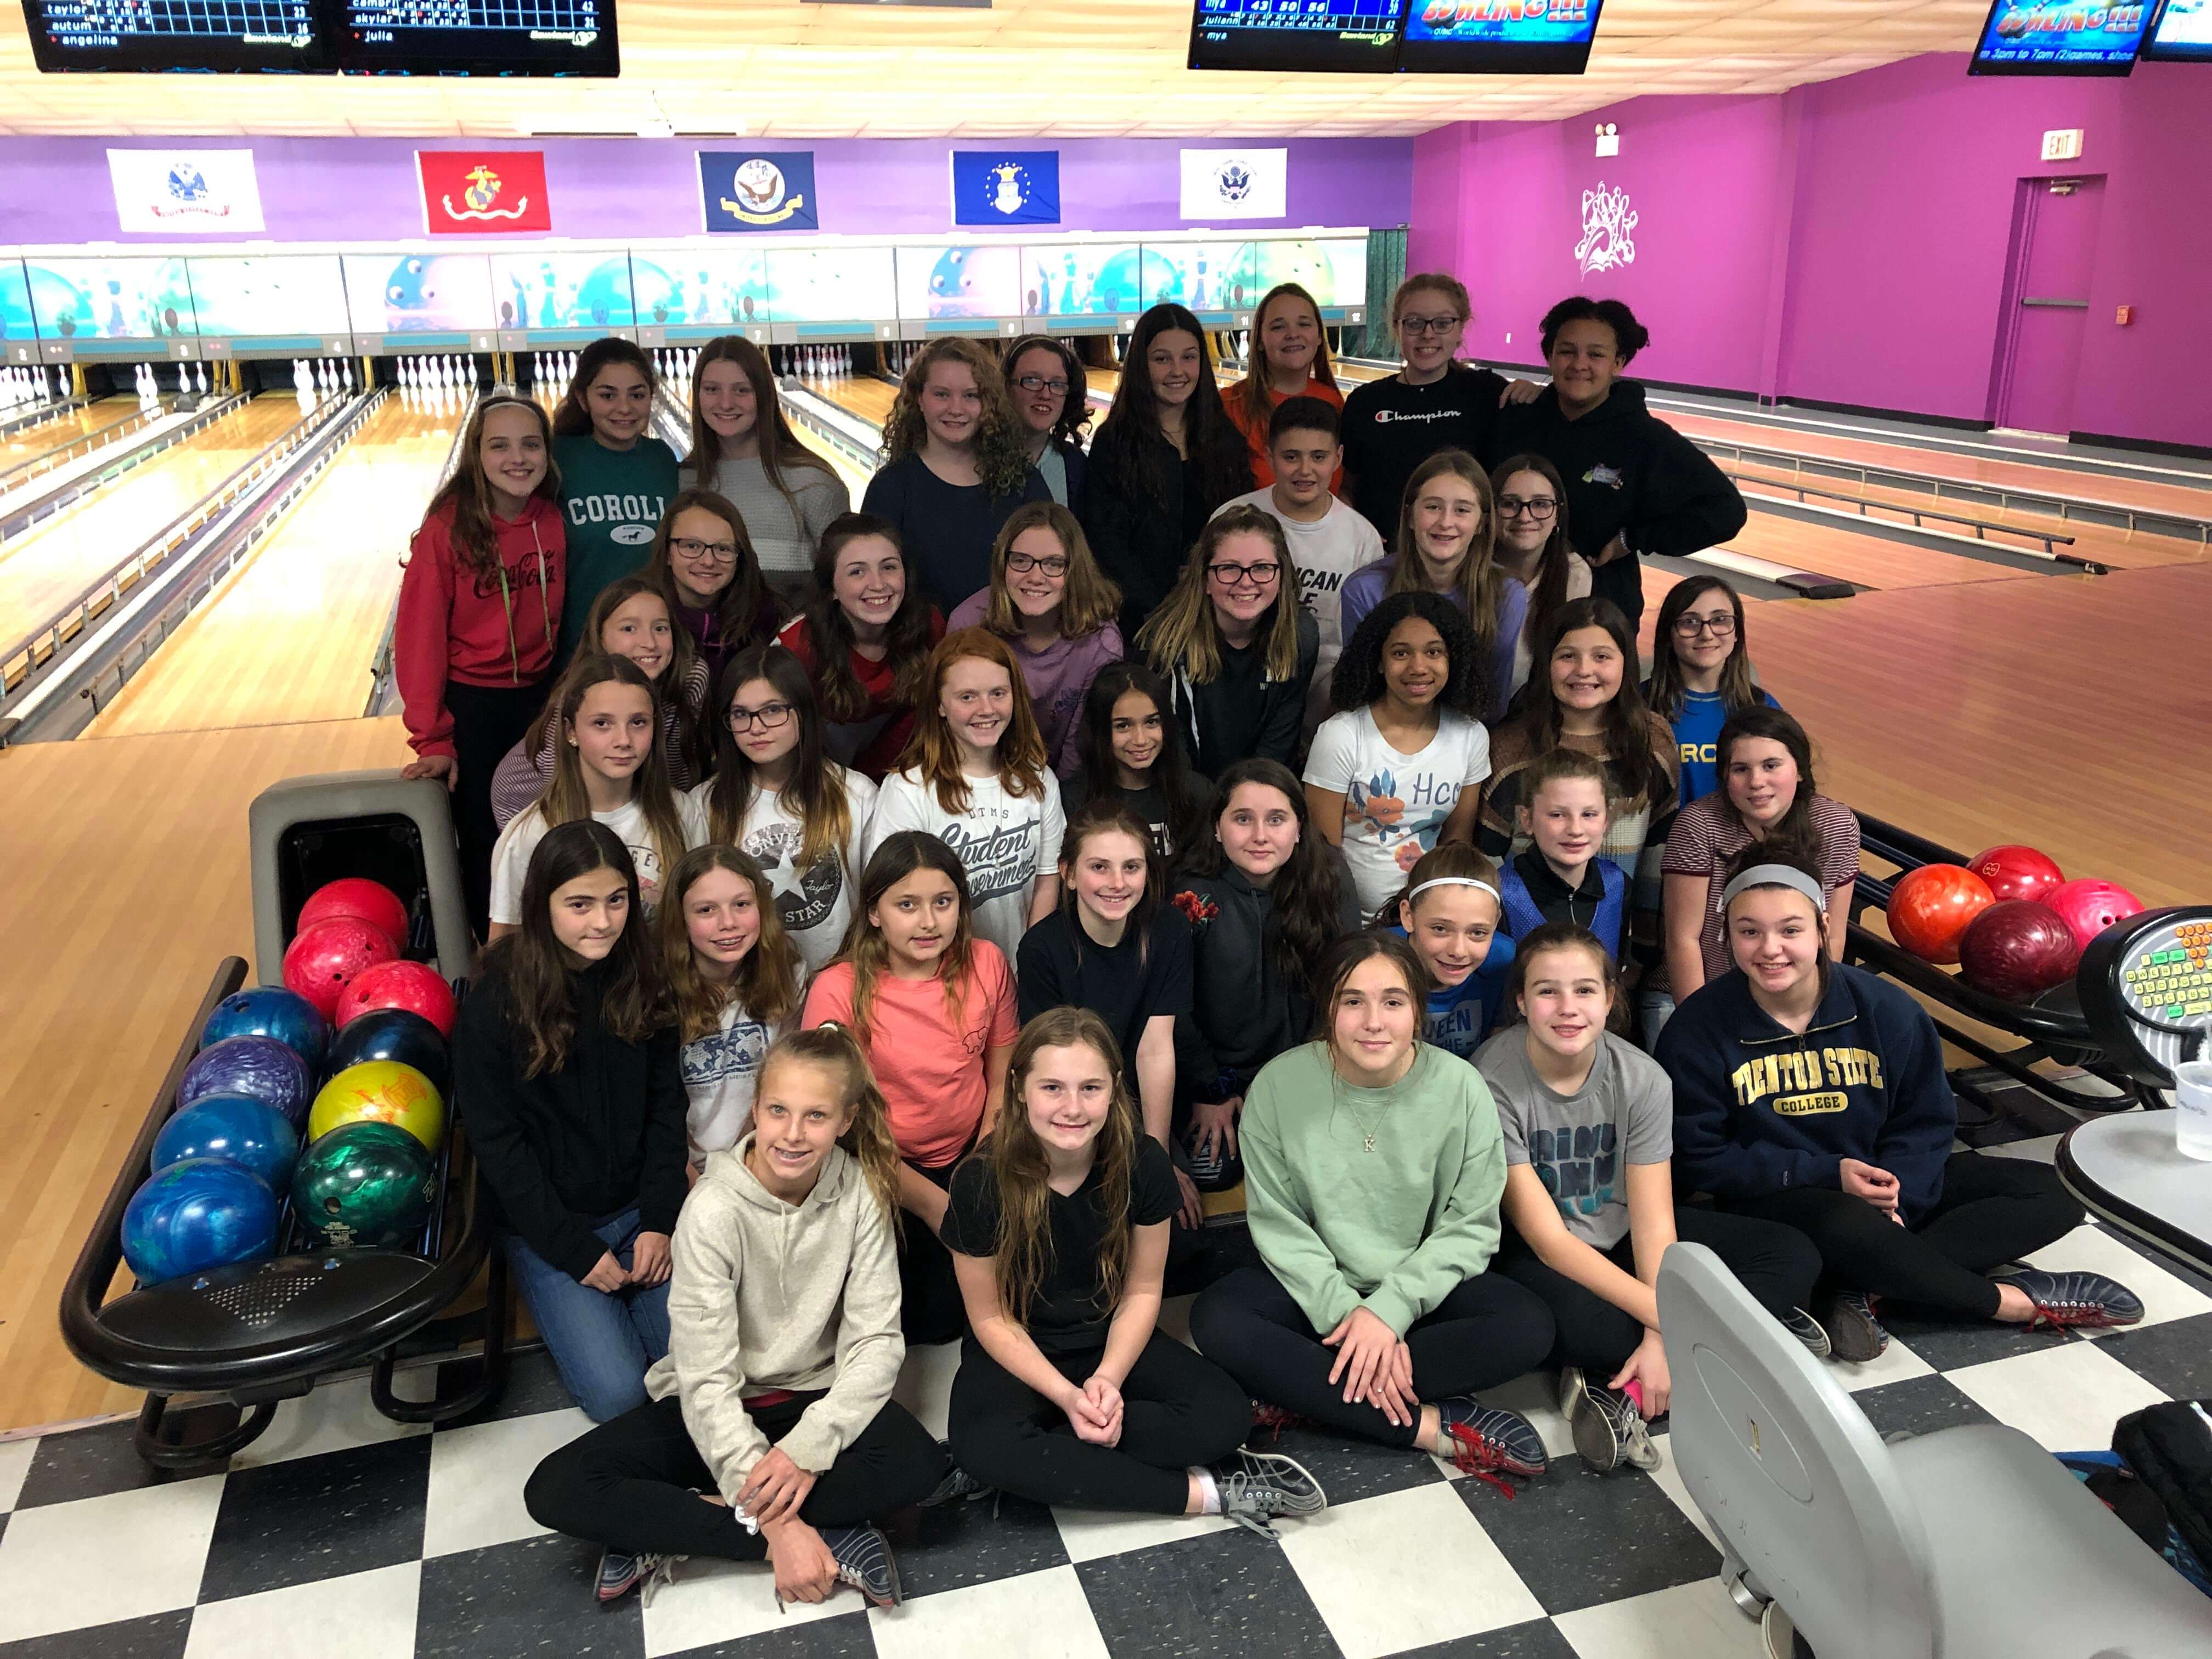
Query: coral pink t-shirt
{"type": "Point", "coordinates": [928, 1062]}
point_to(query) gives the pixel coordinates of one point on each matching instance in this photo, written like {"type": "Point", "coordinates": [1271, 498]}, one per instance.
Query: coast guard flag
{"type": "Point", "coordinates": [1235, 183]}
{"type": "Point", "coordinates": [1006, 186]}
{"type": "Point", "coordinates": [186, 191]}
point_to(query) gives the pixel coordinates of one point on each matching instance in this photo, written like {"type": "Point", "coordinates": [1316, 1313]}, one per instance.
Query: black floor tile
{"type": "Point", "coordinates": [1349, 1469]}
{"type": "Point", "coordinates": [312, 1518]}
{"type": "Point", "coordinates": [532, 1385]}
{"type": "Point", "coordinates": [1950, 1344]}
{"type": "Point", "coordinates": [531, 1600]}
{"type": "Point", "coordinates": [961, 1544]}
{"type": "Point", "coordinates": [1577, 1538]}
{"type": "Point", "coordinates": [159, 1636]}
{"type": "Point", "coordinates": [1919, 1405]}
{"type": "Point", "coordinates": [1225, 1593]}
{"type": "Point", "coordinates": [2176, 1357]}
{"type": "Point", "coordinates": [845, 1637]}
{"type": "Point", "coordinates": [95, 1463]}
{"type": "Point", "coordinates": [1539, 1638]}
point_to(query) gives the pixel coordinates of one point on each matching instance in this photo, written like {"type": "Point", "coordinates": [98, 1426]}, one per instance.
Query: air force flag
{"type": "Point", "coordinates": [1006, 186]}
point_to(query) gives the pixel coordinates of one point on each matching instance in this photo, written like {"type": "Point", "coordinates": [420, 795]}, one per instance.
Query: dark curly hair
{"type": "Point", "coordinates": [1359, 680]}
{"type": "Point", "coordinates": [1075, 409]}
{"type": "Point", "coordinates": [1629, 335]}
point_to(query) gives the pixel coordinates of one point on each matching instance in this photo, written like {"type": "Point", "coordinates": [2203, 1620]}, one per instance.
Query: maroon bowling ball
{"type": "Point", "coordinates": [2017, 948]}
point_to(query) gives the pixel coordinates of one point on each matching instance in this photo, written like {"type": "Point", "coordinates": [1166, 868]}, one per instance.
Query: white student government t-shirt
{"type": "Point", "coordinates": [510, 855]}
{"type": "Point", "coordinates": [1004, 841]}
{"type": "Point", "coordinates": [1394, 804]}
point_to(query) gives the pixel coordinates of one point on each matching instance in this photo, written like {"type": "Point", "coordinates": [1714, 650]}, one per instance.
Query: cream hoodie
{"type": "Point", "coordinates": [769, 1295]}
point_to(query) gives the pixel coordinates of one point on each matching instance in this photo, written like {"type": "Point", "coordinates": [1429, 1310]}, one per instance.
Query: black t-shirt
{"type": "Point", "coordinates": [1150, 804]}
{"type": "Point", "coordinates": [1058, 965]}
{"type": "Point", "coordinates": [1391, 428]}
{"type": "Point", "coordinates": [947, 529]}
{"type": "Point", "coordinates": [1065, 1315]}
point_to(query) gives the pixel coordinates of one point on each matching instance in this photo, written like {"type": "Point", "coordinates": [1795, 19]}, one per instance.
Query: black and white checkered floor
{"type": "Point", "coordinates": [341, 1536]}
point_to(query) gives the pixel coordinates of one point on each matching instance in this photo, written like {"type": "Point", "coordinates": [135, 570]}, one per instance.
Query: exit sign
{"type": "Point", "coordinates": [2063, 145]}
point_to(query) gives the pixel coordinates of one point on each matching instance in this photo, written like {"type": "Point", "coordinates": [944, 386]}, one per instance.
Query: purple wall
{"type": "Point", "coordinates": [318, 190]}
{"type": "Point", "coordinates": [1847, 242]}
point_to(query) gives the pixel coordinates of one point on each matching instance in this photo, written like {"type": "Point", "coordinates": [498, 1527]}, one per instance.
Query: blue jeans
{"type": "Point", "coordinates": [602, 1344]}
{"type": "Point", "coordinates": [1656, 1008]}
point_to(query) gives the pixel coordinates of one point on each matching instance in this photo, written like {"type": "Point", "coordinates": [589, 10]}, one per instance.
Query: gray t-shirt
{"type": "Point", "coordinates": [1574, 1142]}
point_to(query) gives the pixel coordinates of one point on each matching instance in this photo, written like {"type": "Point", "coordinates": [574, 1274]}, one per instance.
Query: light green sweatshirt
{"type": "Point", "coordinates": [768, 1295]}
{"type": "Point", "coordinates": [1394, 1231]}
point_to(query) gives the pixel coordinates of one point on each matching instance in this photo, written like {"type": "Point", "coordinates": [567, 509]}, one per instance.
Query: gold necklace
{"type": "Point", "coordinates": [1368, 1126]}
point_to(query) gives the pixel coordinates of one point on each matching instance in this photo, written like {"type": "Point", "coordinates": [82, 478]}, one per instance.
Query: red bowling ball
{"type": "Point", "coordinates": [371, 901]}
{"type": "Point", "coordinates": [415, 986]}
{"type": "Point", "coordinates": [2017, 948]}
{"type": "Point", "coordinates": [2091, 905]}
{"type": "Point", "coordinates": [2013, 872]}
{"type": "Point", "coordinates": [1930, 907]}
{"type": "Point", "coordinates": [323, 960]}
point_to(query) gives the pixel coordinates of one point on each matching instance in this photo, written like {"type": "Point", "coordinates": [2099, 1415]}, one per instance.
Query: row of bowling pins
{"type": "Point", "coordinates": [147, 383]}
{"type": "Point", "coordinates": [317, 377]}
{"type": "Point", "coordinates": [19, 386]}
{"type": "Point", "coordinates": [444, 373]}
{"type": "Point", "coordinates": [677, 365]}
{"type": "Point", "coordinates": [812, 363]}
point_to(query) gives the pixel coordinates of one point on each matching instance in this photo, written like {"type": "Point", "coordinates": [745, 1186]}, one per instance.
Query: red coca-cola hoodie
{"type": "Point", "coordinates": [494, 627]}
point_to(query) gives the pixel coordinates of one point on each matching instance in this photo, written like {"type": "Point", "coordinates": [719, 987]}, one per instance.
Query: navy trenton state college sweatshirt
{"type": "Point", "coordinates": [1759, 1108]}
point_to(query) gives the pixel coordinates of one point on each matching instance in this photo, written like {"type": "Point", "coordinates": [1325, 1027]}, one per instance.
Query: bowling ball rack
{"type": "Point", "coordinates": [242, 1339]}
{"type": "Point", "coordinates": [2090, 1023]}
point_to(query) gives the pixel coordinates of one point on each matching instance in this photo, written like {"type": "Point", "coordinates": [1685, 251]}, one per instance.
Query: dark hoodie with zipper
{"type": "Point", "coordinates": [1245, 1011]}
{"type": "Point", "coordinates": [565, 1150]}
{"type": "Point", "coordinates": [1759, 1108]}
{"type": "Point", "coordinates": [1628, 472]}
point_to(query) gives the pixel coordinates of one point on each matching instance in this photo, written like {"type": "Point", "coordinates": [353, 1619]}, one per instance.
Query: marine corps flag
{"type": "Point", "coordinates": [484, 192]}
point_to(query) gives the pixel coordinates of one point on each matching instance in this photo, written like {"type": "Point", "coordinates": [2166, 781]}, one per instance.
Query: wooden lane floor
{"type": "Point", "coordinates": [1865, 559]}
{"type": "Point", "coordinates": [864, 394]}
{"type": "Point", "coordinates": [35, 440]}
{"type": "Point", "coordinates": [290, 635]}
{"type": "Point", "coordinates": [47, 566]}
{"type": "Point", "coordinates": [137, 885]}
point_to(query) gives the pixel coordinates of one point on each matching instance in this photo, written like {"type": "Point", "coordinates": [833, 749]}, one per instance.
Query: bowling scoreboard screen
{"type": "Point", "coordinates": [2182, 33]}
{"type": "Point", "coordinates": [177, 36]}
{"type": "Point", "coordinates": [2060, 37]}
{"type": "Point", "coordinates": [1497, 37]}
{"type": "Point", "coordinates": [1345, 36]}
{"type": "Point", "coordinates": [476, 37]}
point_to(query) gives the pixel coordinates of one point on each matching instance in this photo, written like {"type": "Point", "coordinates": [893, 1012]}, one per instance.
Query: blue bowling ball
{"type": "Point", "coordinates": [260, 1067]}
{"type": "Point", "coordinates": [272, 1012]}
{"type": "Point", "coordinates": [397, 1034]}
{"type": "Point", "coordinates": [251, 1133]}
{"type": "Point", "coordinates": [203, 1212]}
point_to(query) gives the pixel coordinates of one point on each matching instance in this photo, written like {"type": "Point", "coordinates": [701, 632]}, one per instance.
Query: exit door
{"type": "Point", "coordinates": [2054, 256]}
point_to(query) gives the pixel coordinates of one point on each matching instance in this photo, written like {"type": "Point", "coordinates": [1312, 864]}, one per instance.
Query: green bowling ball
{"type": "Point", "coordinates": [364, 1182]}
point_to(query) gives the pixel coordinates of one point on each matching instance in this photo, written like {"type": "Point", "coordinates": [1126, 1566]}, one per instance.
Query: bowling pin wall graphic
{"type": "Point", "coordinates": [1607, 221]}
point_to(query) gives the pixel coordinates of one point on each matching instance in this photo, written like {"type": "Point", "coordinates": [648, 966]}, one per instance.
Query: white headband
{"type": "Point", "coordinates": [1455, 881]}
{"type": "Point", "coordinates": [1776, 875]}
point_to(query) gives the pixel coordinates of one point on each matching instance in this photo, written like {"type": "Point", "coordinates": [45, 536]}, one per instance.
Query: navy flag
{"type": "Point", "coordinates": [758, 189]}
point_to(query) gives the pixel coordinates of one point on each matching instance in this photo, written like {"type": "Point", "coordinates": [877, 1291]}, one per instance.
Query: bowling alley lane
{"type": "Point", "coordinates": [48, 565]}
{"type": "Point", "coordinates": [33, 442]}
{"type": "Point", "coordinates": [866, 395]}
{"type": "Point", "coordinates": [289, 636]}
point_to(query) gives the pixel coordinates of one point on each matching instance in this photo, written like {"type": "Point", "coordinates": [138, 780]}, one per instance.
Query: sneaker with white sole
{"type": "Point", "coordinates": [1807, 1329]}
{"type": "Point", "coordinates": [1608, 1429]}
{"type": "Point", "coordinates": [864, 1561]}
{"type": "Point", "coordinates": [1260, 1487]}
{"type": "Point", "coordinates": [1854, 1332]}
{"type": "Point", "coordinates": [2076, 1301]}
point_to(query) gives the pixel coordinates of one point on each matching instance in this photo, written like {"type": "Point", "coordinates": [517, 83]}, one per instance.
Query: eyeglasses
{"type": "Point", "coordinates": [1229, 575]}
{"type": "Point", "coordinates": [1053, 564]}
{"type": "Point", "coordinates": [1721, 627]}
{"type": "Point", "coordinates": [770, 716]}
{"type": "Point", "coordinates": [691, 548]}
{"type": "Point", "coordinates": [1429, 324]}
{"type": "Point", "coordinates": [1038, 383]}
{"type": "Point", "coordinates": [1536, 507]}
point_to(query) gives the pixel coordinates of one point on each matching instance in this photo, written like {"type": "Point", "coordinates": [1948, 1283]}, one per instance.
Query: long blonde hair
{"type": "Point", "coordinates": [765, 984]}
{"type": "Point", "coordinates": [933, 753]}
{"type": "Point", "coordinates": [1002, 455]}
{"type": "Point", "coordinates": [868, 1138]}
{"type": "Point", "coordinates": [1022, 1258]}
{"type": "Point", "coordinates": [1087, 603]}
{"type": "Point", "coordinates": [566, 799]}
{"type": "Point", "coordinates": [1480, 586]}
{"type": "Point", "coordinates": [1183, 638]}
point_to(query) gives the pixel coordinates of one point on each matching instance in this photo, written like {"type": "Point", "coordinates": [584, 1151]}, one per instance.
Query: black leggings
{"type": "Point", "coordinates": [930, 1308]}
{"type": "Point", "coordinates": [488, 721]}
{"type": "Point", "coordinates": [1179, 1410]}
{"type": "Point", "coordinates": [1776, 1264]}
{"type": "Point", "coordinates": [633, 1484]}
{"type": "Point", "coordinates": [1992, 1210]}
{"type": "Point", "coordinates": [1487, 1332]}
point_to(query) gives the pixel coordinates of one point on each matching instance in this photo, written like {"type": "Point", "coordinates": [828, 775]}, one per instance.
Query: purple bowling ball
{"type": "Point", "coordinates": [259, 1067]}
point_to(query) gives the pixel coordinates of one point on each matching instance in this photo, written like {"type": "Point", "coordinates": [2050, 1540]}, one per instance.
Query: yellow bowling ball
{"type": "Point", "coordinates": [380, 1092]}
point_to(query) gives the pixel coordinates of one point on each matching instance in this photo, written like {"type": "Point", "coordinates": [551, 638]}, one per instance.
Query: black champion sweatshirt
{"type": "Point", "coordinates": [566, 1149]}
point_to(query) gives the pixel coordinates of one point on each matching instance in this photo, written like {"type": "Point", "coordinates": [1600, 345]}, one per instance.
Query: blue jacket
{"type": "Point", "coordinates": [1758, 1109]}
{"type": "Point", "coordinates": [1521, 917]}
{"type": "Point", "coordinates": [1459, 1018]}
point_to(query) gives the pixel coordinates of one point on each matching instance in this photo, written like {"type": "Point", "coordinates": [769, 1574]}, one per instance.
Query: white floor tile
{"type": "Point", "coordinates": [2067, 1396]}
{"type": "Point", "coordinates": [1404, 1570]}
{"type": "Point", "coordinates": [1535, 1395]}
{"type": "Point", "coordinates": [925, 1384]}
{"type": "Point", "coordinates": [1088, 1534]}
{"type": "Point", "coordinates": [335, 1417]}
{"type": "Point", "coordinates": [1897, 1364]}
{"type": "Point", "coordinates": [1668, 1479]}
{"type": "Point", "coordinates": [2039, 1149]}
{"type": "Point", "coordinates": [716, 1601]}
{"type": "Point", "coordinates": [15, 1457]}
{"type": "Point", "coordinates": [1038, 1615]}
{"type": "Point", "coordinates": [477, 1477]}
{"type": "Point", "coordinates": [1690, 1621]}
{"type": "Point", "coordinates": [363, 1615]}
{"type": "Point", "coordinates": [65, 1566]}
{"type": "Point", "coordinates": [2092, 1249]}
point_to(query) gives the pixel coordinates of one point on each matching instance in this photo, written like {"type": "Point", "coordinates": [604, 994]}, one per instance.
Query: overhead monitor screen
{"type": "Point", "coordinates": [2182, 33]}
{"type": "Point", "coordinates": [1497, 37]}
{"type": "Point", "coordinates": [476, 37]}
{"type": "Point", "coordinates": [2053, 37]}
{"type": "Point", "coordinates": [191, 37]}
{"type": "Point", "coordinates": [1345, 36]}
